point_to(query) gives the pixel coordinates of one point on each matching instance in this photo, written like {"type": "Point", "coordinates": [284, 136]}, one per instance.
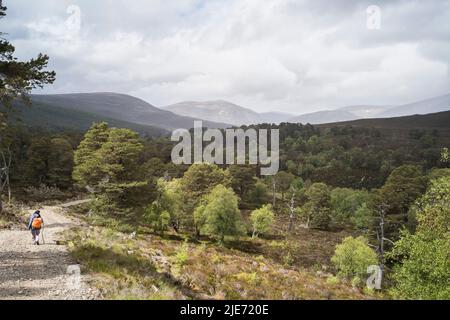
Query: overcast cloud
{"type": "Point", "coordinates": [285, 55]}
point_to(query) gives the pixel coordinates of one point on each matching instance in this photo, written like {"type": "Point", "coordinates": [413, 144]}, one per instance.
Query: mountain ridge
{"type": "Point", "coordinates": [348, 113]}
{"type": "Point", "coordinates": [215, 110]}
{"type": "Point", "coordinates": [109, 106]}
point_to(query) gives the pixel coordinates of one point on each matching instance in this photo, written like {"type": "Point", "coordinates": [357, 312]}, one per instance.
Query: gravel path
{"type": "Point", "coordinates": [47, 271]}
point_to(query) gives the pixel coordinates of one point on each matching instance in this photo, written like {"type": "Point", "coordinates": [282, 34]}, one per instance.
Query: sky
{"type": "Point", "coordinates": [274, 55]}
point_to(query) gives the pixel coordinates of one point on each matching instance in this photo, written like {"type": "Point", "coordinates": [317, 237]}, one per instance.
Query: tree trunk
{"type": "Point", "coordinates": [9, 190]}
{"type": "Point", "coordinates": [274, 192]}
{"type": "Point", "coordinates": [291, 214]}
{"type": "Point", "coordinates": [4, 177]}
{"type": "Point", "coordinates": [382, 214]}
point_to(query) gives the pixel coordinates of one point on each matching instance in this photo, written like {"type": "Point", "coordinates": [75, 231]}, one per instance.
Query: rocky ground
{"type": "Point", "coordinates": [45, 271]}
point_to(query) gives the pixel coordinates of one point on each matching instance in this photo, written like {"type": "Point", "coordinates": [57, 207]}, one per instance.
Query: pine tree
{"type": "Point", "coordinates": [107, 161]}
{"type": "Point", "coordinates": [316, 210]}
{"type": "Point", "coordinates": [17, 80]}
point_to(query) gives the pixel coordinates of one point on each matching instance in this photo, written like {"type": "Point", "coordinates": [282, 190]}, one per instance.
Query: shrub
{"type": "Point", "coordinates": [262, 219]}
{"type": "Point", "coordinates": [182, 255]}
{"type": "Point", "coordinates": [352, 257]}
{"type": "Point", "coordinates": [158, 219]}
{"type": "Point", "coordinates": [332, 280]}
{"type": "Point", "coordinates": [258, 195]}
{"type": "Point", "coordinates": [348, 207]}
{"type": "Point", "coordinates": [43, 192]}
{"type": "Point", "coordinates": [288, 259]}
{"type": "Point", "coordinates": [423, 269]}
{"type": "Point", "coordinates": [424, 272]}
{"type": "Point", "coordinates": [316, 210]}
{"type": "Point", "coordinates": [157, 215]}
{"type": "Point", "coordinates": [220, 215]}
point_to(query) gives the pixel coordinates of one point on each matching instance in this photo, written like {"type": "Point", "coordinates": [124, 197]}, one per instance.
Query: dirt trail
{"type": "Point", "coordinates": [47, 271]}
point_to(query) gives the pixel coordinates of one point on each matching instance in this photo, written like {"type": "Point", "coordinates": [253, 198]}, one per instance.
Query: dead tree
{"type": "Point", "coordinates": [382, 209]}
{"type": "Point", "coordinates": [4, 176]}
{"type": "Point", "coordinates": [291, 213]}
{"type": "Point", "coordinates": [273, 191]}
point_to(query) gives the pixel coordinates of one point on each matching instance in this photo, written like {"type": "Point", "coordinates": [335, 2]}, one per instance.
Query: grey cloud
{"type": "Point", "coordinates": [287, 55]}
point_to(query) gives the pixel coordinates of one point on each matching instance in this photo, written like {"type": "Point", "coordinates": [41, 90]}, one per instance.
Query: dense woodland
{"type": "Point", "coordinates": [365, 181]}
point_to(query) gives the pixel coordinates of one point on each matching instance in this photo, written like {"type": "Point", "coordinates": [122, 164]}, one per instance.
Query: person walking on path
{"type": "Point", "coordinates": [35, 224]}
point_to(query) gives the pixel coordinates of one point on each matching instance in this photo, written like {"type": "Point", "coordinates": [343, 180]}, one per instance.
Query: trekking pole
{"type": "Point", "coordinates": [43, 228]}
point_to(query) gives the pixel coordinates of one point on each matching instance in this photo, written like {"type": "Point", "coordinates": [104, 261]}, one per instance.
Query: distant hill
{"type": "Point", "coordinates": [348, 113]}
{"type": "Point", "coordinates": [80, 109]}
{"type": "Point", "coordinates": [58, 119]}
{"type": "Point", "coordinates": [437, 104]}
{"type": "Point", "coordinates": [275, 117]}
{"type": "Point", "coordinates": [324, 117]}
{"type": "Point", "coordinates": [218, 111]}
{"type": "Point", "coordinates": [365, 111]}
{"type": "Point", "coordinates": [439, 120]}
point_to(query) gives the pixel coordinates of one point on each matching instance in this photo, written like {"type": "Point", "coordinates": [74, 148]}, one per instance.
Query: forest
{"type": "Point", "coordinates": [375, 197]}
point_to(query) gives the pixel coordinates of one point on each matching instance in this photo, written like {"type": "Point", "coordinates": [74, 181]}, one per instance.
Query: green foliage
{"type": "Point", "coordinates": [424, 262]}
{"type": "Point", "coordinates": [182, 255]}
{"type": "Point", "coordinates": [19, 78]}
{"type": "Point", "coordinates": [242, 181]}
{"type": "Point", "coordinates": [363, 217]}
{"type": "Point", "coordinates": [119, 154]}
{"type": "Point", "coordinates": [219, 215]}
{"type": "Point", "coordinates": [157, 217]}
{"type": "Point", "coordinates": [316, 210]}
{"type": "Point", "coordinates": [258, 195]}
{"type": "Point", "coordinates": [86, 170]}
{"type": "Point", "coordinates": [162, 212]}
{"type": "Point", "coordinates": [283, 182]}
{"type": "Point", "coordinates": [445, 158]}
{"type": "Point", "coordinates": [107, 161]}
{"type": "Point", "coordinates": [288, 259]}
{"type": "Point", "coordinates": [352, 257]}
{"type": "Point", "coordinates": [332, 280]}
{"type": "Point", "coordinates": [60, 162]}
{"type": "Point", "coordinates": [197, 182]}
{"type": "Point", "coordinates": [49, 162]}
{"type": "Point", "coordinates": [434, 208]}
{"type": "Point", "coordinates": [403, 186]}
{"type": "Point", "coordinates": [262, 219]}
{"type": "Point", "coordinates": [349, 207]}
{"type": "Point", "coordinates": [423, 272]}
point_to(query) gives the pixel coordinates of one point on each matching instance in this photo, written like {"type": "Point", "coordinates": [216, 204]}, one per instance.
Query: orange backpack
{"type": "Point", "coordinates": [37, 223]}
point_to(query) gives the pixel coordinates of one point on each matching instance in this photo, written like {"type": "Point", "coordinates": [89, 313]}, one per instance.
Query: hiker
{"type": "Point", "coordinates": [35, 224]}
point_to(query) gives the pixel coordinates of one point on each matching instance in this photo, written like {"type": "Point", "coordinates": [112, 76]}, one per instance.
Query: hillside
{"type": "Point", "coordinates": [275, 117]}
{"type": "Point", "coordinates": [365, 111]}
{"type": "Point", "coordinates": [218, 111]}
{"type": "Point", "coordinates": [349, 113]}
{"type": "Point", "coordinates": [79, 109]}
{"type": "Point", "coordinates": [323, 117]}
{"type": "Point", "coordinates": [439, 120]}
{"type": "Point", "coordinates": [437, 104]}
{"type": "Point", "coordinates": [42, 115]}
{"type": "Point", "coordinates": [152, 266]}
